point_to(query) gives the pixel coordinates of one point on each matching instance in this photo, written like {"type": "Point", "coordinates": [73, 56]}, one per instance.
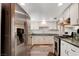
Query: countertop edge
{"type": "Point", "coordinates": [45, 34]}
{"type": "Point", "coordinates": [70, 43]}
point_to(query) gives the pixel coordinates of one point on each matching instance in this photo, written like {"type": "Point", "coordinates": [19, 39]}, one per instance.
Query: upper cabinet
{"type": "Point", "coordinates": [66, 14]}
{"type": "Point", "coordinates": [74, 14]}
{"type": "Point", "coordinates": [70, 15]}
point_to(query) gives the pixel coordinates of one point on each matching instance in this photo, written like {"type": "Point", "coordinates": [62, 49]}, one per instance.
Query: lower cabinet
{"type": "Point", "coordinates": [42, 39]}
{"type": "Point", "coordinates": [74, 51]}
{"type": "Point", "coordinates": [68, 49]}
{"type": "Point", "coordinates": [64, 48]}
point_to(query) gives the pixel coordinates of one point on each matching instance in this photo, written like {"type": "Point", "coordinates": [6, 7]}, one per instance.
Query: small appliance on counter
{"type": "Point", "coordinates": [77, 35]}
{"type": "Point", "coordinates": [68, 34]}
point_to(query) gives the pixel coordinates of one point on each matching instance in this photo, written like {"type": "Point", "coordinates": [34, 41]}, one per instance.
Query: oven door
{"type": "Point", "coordinates": [57, 46]}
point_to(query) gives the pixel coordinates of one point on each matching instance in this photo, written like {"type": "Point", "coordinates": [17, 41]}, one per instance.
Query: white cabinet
{"type": "Point", "coordinates": [74, 14]}
{"type": "Point", "coordinates": [68, 49]}
{"type": "Point", "coordinates": [66, 14]}
{"type": "Point", "coordinates": [34, 25]}
{"type": "Point", "coordinates": [73, 51]}
{"type": "Point", "coordinates": [72, 11]}
{"type": "Point", "coordinates": [42, 40]}
{"type": "Point", "coordinates": [64, 48]}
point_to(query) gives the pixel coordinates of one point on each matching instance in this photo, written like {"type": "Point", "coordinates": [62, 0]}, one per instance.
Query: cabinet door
{"type": "Point", "coordinates": [74, 13]}
{"type": "Point", "coordinates": [74, 51]}
{"type": "Point", "coordinates": [69, 50]}
{"type": "Point", "coordinates": [36, 40]}
{"type": "Point", "coordinates": [63, 48]}
{"type": "Point", "coordinates": [66, 14]}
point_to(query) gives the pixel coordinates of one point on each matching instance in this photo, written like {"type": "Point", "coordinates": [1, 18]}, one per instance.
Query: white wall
{"type": "Point", "coordinates": [0, 29]}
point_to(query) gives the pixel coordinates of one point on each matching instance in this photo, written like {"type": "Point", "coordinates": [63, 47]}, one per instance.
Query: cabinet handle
{"type": "Point", "coordinates": [73, 50]}
{"type": "Point", "coordinates": [67, 53]}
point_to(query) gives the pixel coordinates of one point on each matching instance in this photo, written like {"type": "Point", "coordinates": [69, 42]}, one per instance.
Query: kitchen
{"type": "Point", "coordinates": [48, 29]}
{"type": "Point", "coordinates": [62, 30]}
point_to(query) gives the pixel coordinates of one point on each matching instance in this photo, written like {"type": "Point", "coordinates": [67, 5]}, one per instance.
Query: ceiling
{"type": "Point", "coordinates": [46, 11]}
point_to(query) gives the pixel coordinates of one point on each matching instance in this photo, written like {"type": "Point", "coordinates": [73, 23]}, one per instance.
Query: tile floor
{"type": "Point", "coordinates": [41, 50]}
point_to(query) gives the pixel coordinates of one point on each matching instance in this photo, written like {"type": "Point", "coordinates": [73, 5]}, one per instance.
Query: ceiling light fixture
{"type": "Point", "coordinates": [22, 3]}
{"type": "Point", "coordinates": [60, 4]}
{"type": "Point", "coordinates": [44, 22]}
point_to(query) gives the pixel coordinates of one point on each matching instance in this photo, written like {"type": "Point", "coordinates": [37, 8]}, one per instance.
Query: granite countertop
{"type": "Point", "coordinates": [44, 34]}
{"type": "Point", "coordinates": [69, 40]}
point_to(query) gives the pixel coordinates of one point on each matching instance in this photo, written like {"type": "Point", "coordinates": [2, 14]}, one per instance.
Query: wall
{"type": "Point", "coordinates": [0, 28]}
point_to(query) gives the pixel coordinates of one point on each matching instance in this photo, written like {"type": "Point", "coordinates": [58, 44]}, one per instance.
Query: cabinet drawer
{"type": "Point", "coordinates": [74, 49]}
{"type": "Point", "coordinates": [68, 49]}
{"type": "Point", "coordinates": [73, 52]}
